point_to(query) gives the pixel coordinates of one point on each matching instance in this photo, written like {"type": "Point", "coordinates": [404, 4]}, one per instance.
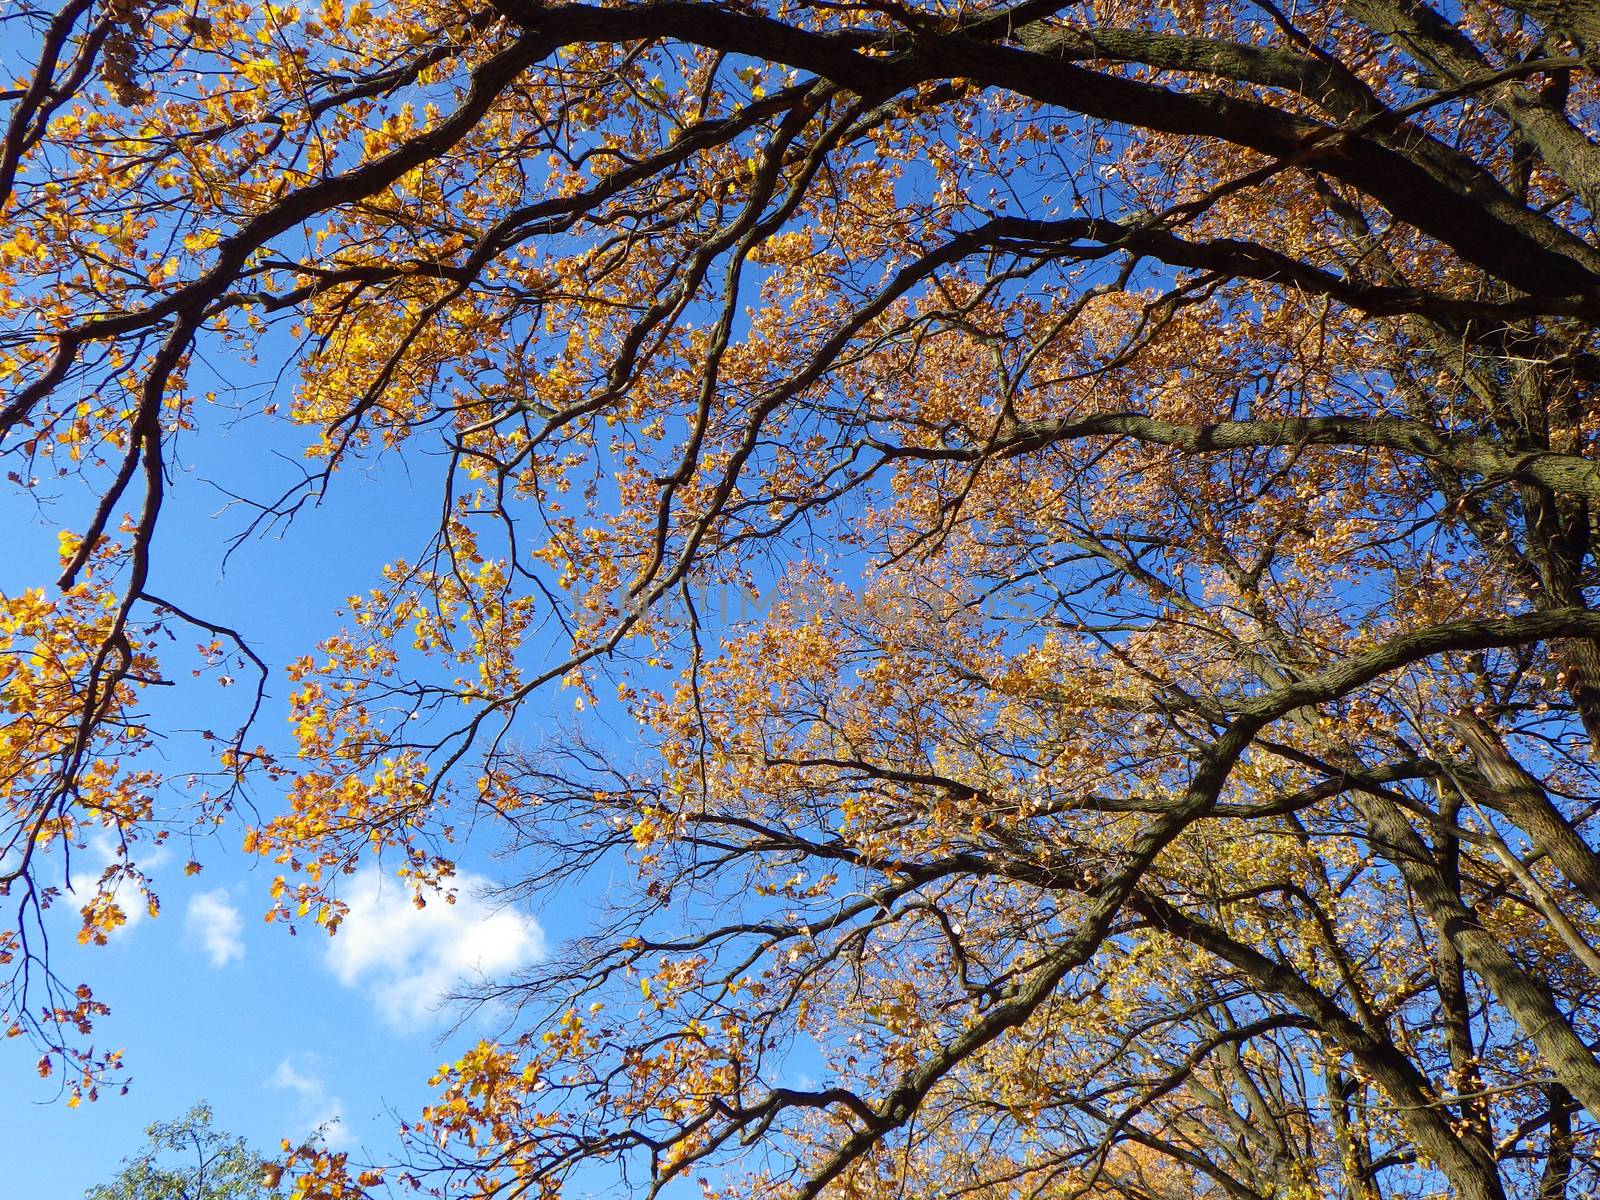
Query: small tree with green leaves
{"type": "Point", "coordinates": [189, 1160]}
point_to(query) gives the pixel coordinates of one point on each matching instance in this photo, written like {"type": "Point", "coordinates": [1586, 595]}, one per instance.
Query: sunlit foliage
{"type": "Point", "coordinates": [1161, 760]}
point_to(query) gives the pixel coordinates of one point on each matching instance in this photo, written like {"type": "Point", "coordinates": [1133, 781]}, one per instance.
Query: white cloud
{"type": "Point", "coordinates": [410, 959]}
{"type": "Point", "coordinates": [215, 924]}
{"type": "Point", "coordinates": [315, 1110]}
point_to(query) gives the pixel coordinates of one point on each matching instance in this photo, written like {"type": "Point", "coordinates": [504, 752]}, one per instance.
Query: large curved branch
{"type": "Point", "coordinates": [1318, 79]}
{"type": "Point", "coordinates": [1472, 213]}
{"type": "Point", "coordinates": [1469, 454]}
{"type": "Point", "coordinates": [1441, 46]}
{"type": "Point", "coordinates": [1469, 1169]}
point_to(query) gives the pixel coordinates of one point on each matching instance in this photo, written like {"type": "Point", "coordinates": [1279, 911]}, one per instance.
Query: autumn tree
{"type": "Point", "coordinates": [1167, 767]}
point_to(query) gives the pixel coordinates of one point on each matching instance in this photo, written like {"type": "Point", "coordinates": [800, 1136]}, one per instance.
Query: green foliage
{"type": "Point", "coordinates": [189, 1160]}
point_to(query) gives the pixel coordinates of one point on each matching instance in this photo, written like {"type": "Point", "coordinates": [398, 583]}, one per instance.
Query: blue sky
{"type": "Point", "coordinates": [280, 1033]}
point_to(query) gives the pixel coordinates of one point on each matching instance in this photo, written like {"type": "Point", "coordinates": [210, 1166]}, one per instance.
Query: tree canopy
{"type": "Point", "coordinates": [187, 1159]}
{"type": "Point", "coordinates": [1168, 764]}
